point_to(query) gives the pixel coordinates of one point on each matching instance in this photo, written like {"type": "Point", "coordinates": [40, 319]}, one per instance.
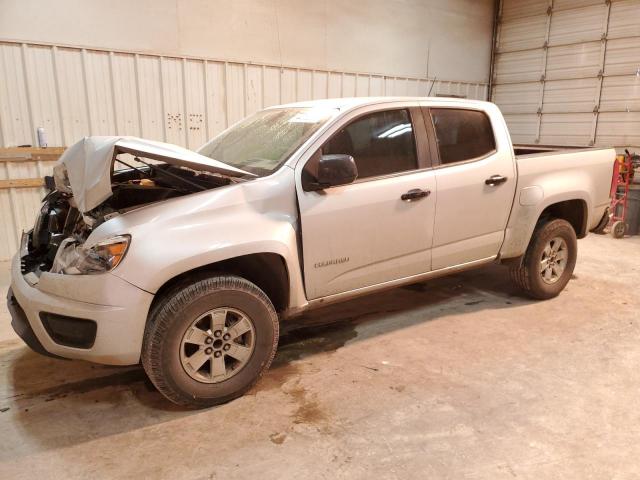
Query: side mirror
{"type": "Point", "coordinates": [334, 170]}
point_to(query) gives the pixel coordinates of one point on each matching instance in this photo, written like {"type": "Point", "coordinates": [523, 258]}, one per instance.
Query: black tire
{"type": "Point", "coordinates": [527, 274]}
{"type": "Point", "coordinates": [174, 314]}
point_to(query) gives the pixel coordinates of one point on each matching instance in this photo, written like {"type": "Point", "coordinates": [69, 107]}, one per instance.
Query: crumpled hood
{"type": "Point", "coordinates": [86, 166]}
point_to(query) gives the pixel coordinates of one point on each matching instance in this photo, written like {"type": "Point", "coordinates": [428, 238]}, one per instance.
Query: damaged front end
{"type": "Point", "coordinates": [88, 192]}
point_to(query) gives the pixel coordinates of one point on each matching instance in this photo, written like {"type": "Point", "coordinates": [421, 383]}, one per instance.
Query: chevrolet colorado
{"type": "Point", "coordinates": [187, 261]}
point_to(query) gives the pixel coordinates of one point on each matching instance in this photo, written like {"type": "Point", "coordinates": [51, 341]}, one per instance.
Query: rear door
{"type": "Point", "coordinates": [476, 181]}
{"type": "Point", "coordinates": [364, 233]}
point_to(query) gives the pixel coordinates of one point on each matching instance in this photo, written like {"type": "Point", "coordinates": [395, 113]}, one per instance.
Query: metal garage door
{"type": "Point", "coordinates": [567, 72]}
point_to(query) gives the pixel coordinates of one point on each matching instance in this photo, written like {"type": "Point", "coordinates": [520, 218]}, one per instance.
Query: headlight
{"type": "Point", "coordinates": [74, 258]}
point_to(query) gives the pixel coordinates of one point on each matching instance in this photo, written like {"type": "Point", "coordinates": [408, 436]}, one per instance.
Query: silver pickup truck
{"type": "Point", "coordinates": [187, 261]}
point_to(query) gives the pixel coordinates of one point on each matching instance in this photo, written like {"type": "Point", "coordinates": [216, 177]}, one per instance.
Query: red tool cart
{"type": "Point", "coordinates": [622, 178]}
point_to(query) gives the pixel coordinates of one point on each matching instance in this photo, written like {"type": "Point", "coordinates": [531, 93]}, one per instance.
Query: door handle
{"type": "Point", "coordinates": [495, 180]}
{"type": "Point", "coordinates": [415, 194]}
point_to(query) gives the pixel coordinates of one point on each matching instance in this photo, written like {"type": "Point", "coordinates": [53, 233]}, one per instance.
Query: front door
{"type": "Point", "coordinates": [365, 233]}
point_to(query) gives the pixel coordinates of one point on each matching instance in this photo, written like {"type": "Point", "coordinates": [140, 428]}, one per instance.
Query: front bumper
{"type": "Point", "coordinates": [118, 308]}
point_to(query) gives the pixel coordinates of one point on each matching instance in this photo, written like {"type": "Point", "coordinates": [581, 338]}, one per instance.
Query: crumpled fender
{"type": "Point", "coordinates": [184, 233]}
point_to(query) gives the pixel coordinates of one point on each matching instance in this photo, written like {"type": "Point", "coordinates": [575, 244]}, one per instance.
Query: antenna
{"type": "Point", "coordinates": [431, 87]}
{"type": "Point", "coordinates": [428, 57]}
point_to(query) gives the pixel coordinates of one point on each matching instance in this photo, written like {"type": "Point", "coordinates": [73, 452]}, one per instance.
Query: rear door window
{"type": "Point", "coordinates": [462, 134]}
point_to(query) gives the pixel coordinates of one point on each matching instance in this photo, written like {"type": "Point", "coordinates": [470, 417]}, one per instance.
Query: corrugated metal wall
{"type": "Point", "coordinates": [567, 72]}
{"type": "Point", "coordinates": [74, 92]}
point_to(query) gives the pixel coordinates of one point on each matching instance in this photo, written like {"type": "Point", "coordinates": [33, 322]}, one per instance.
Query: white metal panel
{"type": "Point", "coordinates": [524, 66]}
{"type": "Point", "coordinates": [570, 95]}
{"type": "Point", "coordinates": [423, 87]}
{"type": "Point", "coordinates": [173, 100]}
{"type": "Point", "coordinates": [73, 98]}
{"type": "Point", "coordinates": [624, 19]}
{"type": "Point", "coordinates": [517, 97]}
{"type": "Point", "coordinates": [152, 122]}
{"type": "Point", "coordinates": [271, 86]}
{"type": "Point", "coordinates": [522, 33]}
{"type": "Point", "coordinates": [590, 71]}
{"type": "Point", "coordinates": [15, 124]}
{"type": "Point", "coordinates": [254, 86]}
{"type": "Point", "coordinates": [235, 91]}
{"type": "Point", "coordinates": [581, 60]}
{"type": "Point", "coordinates": [8, 228]}
{"type": "Point", "coordinates": [623, 55]}
{"type": "Point", "coordinates": [559, 5]}
{"type": "Point", "coordinates": [618, 128]}
{"type": "Point", "coordinates": [362, 85]}
{"type": "Point", "coordinates": [578, 25]}
{"type": "Point", "coordinates": [335, 85]}
{"type": "Point", "coordinates": [217, 95]}
{"type": "Point", "coordinates": [287, 86]}
{"type": "Point", "coordinates": [523, 128]}
{"type": "Point", "coordinates": [413, 87]}
{"type": "Point", "coordinates": [41, 84]}
{"type": "Point", "coordinates": [620, 94]}
{"type": "Point", "coordinates": [348, 85]}
{"type": "Point", "coordinates": [195, 103]}
{"type": "Point", "coordinates": [320, 85]}
{"type": "Point", "coordinates": [377, 86]}
{"type": "Point", "coordinates": [524, 8]}
{"type": "Point", "coordinates": [400, 86]}
{"type": "Point", "coordinates": [443, 88]}
{"type": "Point", "coordinates": [566, 128]}
{"type": "Point", "coordinates": [125, 95]}
{"type": "Point", "coordinates": [99, 93]}
{"type": "Point", "coordinates": [304, 90]}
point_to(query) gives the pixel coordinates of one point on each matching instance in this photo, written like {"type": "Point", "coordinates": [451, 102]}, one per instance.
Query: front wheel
{"type": "Point", "coordinates": [209, 341]}
{"type": "Point", "coordinates": [549, 260]}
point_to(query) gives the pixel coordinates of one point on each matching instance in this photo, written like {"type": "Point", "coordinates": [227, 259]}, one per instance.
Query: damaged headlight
{"type": "Point", "coordinates": [74, 258]}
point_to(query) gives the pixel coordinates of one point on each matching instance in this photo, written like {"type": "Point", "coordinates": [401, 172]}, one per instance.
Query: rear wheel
{"type": "Point", "coordinates": [549, 260]}
{"type": "Point", "coordinates": [209, 341]}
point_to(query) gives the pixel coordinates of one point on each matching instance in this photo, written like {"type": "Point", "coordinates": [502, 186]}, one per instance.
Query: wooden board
{"type": "Point", "coordinates": [31, 151]}
{"type": "Point", "coordinates": [27, 154]}
{"type": "Point", "coordinates": [22, 183]}
{"type": "Point", "coordinates": [30, 154]}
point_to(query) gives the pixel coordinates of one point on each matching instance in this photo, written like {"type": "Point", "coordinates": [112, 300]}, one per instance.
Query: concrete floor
{"type": "Point", "coordinates": [456, 378]}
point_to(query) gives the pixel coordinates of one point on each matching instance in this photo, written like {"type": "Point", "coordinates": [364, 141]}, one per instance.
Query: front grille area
{"type": "Point", "coordinates": [69, 331]}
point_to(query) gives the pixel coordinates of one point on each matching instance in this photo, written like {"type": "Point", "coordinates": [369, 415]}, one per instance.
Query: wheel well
{"type": "Point", "coordinates": [267, 270]}
{"type": "Point", "coordinates": [573, 211]}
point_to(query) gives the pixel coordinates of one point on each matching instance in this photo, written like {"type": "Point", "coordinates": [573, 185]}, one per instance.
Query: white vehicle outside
{"type": "Point", "coordinates": [188, 261]}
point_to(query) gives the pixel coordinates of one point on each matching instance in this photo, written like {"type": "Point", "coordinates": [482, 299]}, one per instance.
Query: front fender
{"type": "Point", "coordinates": [149, 265]}
{"type": "Point", "coordinates": [186, 233]}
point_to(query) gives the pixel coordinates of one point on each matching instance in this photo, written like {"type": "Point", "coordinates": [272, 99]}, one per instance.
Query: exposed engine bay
{"type": "Point", "coordinates": [61, 223]}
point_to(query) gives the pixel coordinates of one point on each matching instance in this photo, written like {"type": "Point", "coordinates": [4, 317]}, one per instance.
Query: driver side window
{"type": "Point", "coordinates": [381, 143]}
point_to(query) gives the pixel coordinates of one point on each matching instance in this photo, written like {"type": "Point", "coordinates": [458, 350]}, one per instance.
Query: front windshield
{"type": "Point", "coordinates": [261, 143]}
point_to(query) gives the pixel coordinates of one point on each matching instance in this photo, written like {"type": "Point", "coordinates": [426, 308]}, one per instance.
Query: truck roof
{"type": "Point", "coordinates": [352, 102]}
